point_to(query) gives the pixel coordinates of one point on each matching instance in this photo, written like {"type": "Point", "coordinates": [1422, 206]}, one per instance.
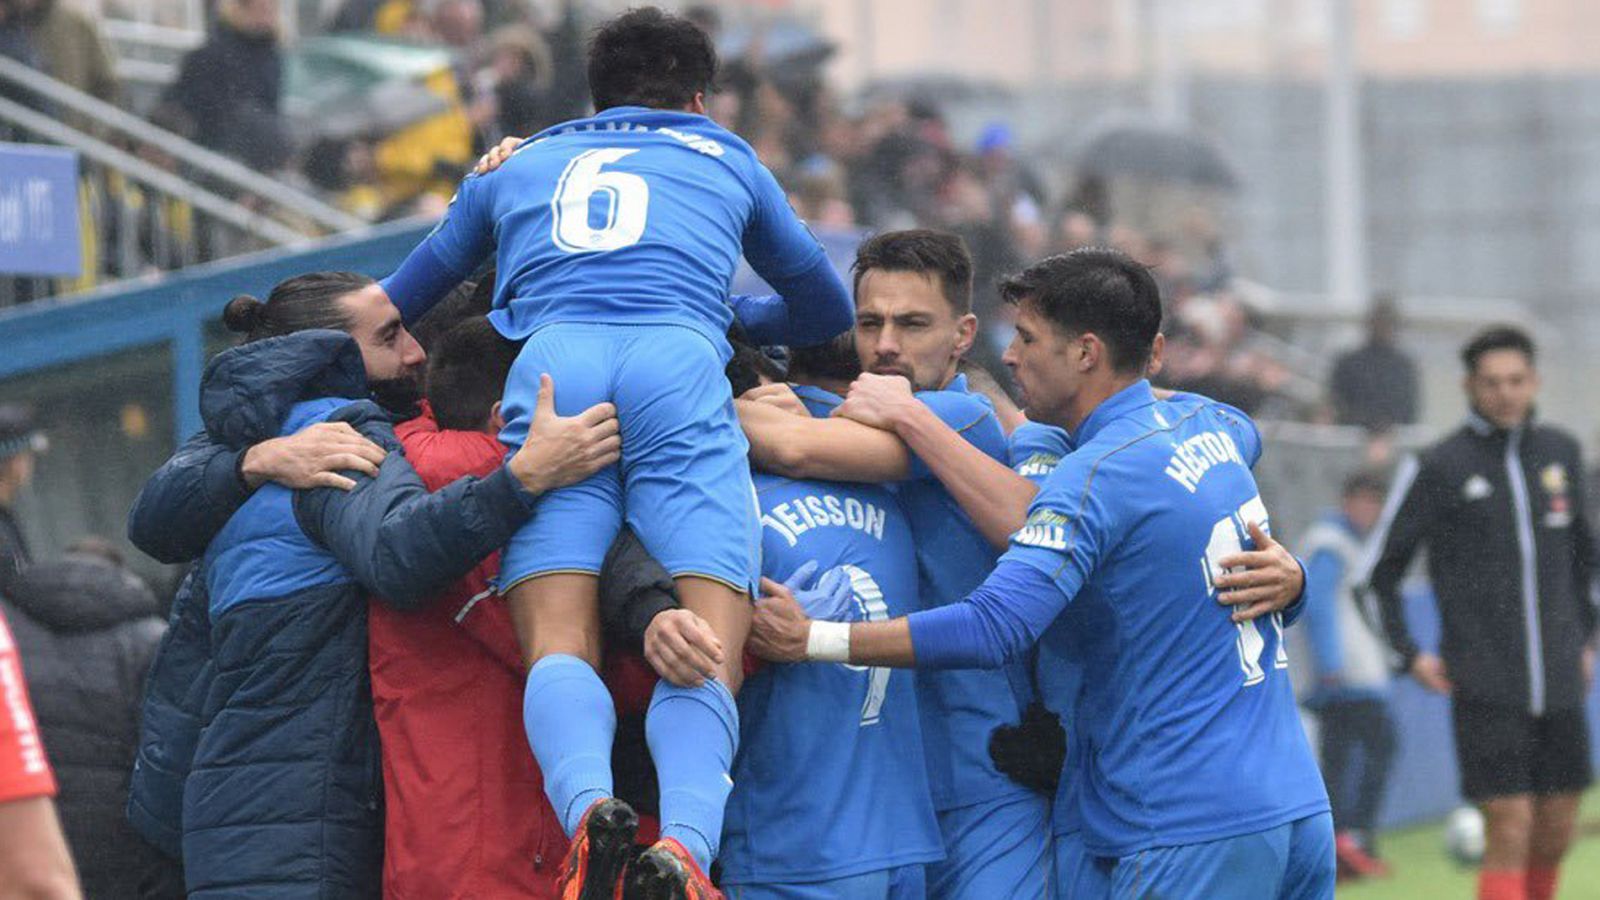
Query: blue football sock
{"type": "Point", "coordinates": [692, 733]}
{"type": "Point", "coordinates": [571, 720]}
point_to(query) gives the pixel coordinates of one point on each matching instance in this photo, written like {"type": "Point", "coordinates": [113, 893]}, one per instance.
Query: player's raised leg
{"type": "Point", "coordinates": [691, 501]}
{"type": "Point", "coordinates": [549, 574]}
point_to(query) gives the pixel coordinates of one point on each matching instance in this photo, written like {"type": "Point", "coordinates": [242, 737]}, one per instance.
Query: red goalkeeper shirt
{"type": "Point", "coordinates": [24, 770]}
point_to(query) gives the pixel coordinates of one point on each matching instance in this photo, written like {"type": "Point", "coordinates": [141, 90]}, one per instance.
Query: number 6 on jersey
{"type": "Point", "coordinates": [627, 203]}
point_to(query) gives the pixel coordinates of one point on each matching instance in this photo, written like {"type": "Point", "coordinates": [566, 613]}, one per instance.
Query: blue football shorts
{"type": "Point", "coordinates": [902, 883]}
{"type": "Point", "coordinates": [684, 481]}
{"type": "Point", "coordinates": [1000, 848]}
{"type": "Point", "coordinates": [1078, 875]}
{"type": "Point", "coordinates": [1290, 862]}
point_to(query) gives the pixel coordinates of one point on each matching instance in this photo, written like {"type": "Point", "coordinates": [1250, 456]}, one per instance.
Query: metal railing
{"type": "Point", "coordinates": [149, 200]}
{"type": "Point", "coordinates": [202, 164]}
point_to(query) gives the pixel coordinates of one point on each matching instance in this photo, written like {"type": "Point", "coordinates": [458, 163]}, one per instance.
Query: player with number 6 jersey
{"type": "Point", "coordinates": [616, 238]}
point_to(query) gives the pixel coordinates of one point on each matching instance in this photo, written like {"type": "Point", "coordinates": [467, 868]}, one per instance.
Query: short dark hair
{"type": "Point", "coordinates": [748, 365]}
{"type": "Point", "coordinates": [295, 304]}
{"type": "Point", "coordinates": [1364, 481]}
{"type": "Point", "coordinates": [467, 300]}
{"type": "Point", "coordinates": [922, 251]}
{"type": "Point", "coordinates": [467, 374]}
{"type": "Point", "coordinates": [835, 359]}
{"type": "Point", "coordinates": [646, 57]}
{"type": "Point", "coordinates": [1498, 337]}
{"type": "Point", "coordinates": [1095, 290]}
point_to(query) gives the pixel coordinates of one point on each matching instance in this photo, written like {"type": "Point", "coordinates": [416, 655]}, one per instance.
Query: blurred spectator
{"type": "Point", "coordinates": [1375, 385]}
{"type": "Point", "coordinates": [61, 42]}
{"type": "Point", "coordinates": [229, 89]}
{"type": "Point", "coordinates": [1499, 505]}
{"type": "Point", "coordinates": [34, 861]}
{"type": "Point", "coordinates": [17, 39]}
{"type": "Point", "coordinates": [1351, 689]}
{"type": "Point", "coordinates": [87, 629]}
{"type": "Point", "coordinates": [71, 48]}
{"type": "Point", "coordinates": [20, 444]}
{"type": "Point", "coordinates": [520, 77]}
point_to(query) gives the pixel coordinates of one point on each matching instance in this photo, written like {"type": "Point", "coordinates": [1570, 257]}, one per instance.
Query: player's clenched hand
{"type": "Point", "coordinates": [779, 395]}
{"type": "Point", "coordinates": [779, 630]}
{"type": "Point", "coordinates": [1260, 581]}
{"type": "Point", "coordinates": [1429, 670]}
{"type": "Point", "coordinates": [563, 450]}
{"type": "Point", "coordinates": [682, 648]}
{"type": "Point", "coordinates": [877, 400]}
{"type": "Point", "coordinates": [313, 458]}
{"type": "Point", "coordinates": [497, 155]}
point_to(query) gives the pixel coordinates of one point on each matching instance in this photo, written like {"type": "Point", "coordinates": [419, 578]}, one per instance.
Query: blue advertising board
{"type": "Point", "coordinates": [39, 232]}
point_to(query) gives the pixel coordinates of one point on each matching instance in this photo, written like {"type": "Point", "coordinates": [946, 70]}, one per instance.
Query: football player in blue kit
{"type": "Point", "coordinates": [615, 239]}
{"type": "Point", "coordinates": [1195, 778]}
{"type": "Point", "coordinates": [914, 322]}
{"type": "Point", "coordinates": [830, 800]}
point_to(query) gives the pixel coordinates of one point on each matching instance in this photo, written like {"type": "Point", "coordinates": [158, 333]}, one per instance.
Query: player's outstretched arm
{"type": "Point", "coordinates": [797, 446]}
{"type": "Point", "coordinates": [34, 861]}
{"type": "Point", "coordinates": [991, 493]}
{"type": "Point", "coordinates": [405, 544]}
{"type": "Point", "coordinates": [816, 304]}
{"type": "Point", "coordinates": [1001, 619]}
{"type": "Point", "coordinates": [1262, 581]}
{"type": "Point", "coordinates": [187, 501]}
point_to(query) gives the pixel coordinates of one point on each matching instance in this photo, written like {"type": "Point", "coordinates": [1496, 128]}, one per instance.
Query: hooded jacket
{"type": "Point", "coordinates": [1511, 558]}
{"type": "Point", "coordinates": [87, 630]}
{"type": "Point", "coordinates": [282, 795]}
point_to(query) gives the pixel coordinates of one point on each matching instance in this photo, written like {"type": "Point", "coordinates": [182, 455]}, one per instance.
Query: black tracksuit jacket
{"type": "Point", "coordinates": [1510, 555]}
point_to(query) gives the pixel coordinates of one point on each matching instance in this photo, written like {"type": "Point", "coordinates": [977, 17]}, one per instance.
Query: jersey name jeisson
{"type": "Point", "coordinates": [848, 735]}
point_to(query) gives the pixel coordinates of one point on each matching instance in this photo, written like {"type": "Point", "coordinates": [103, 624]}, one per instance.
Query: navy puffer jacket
{"type": "Point", "coordinates": [282, 793]}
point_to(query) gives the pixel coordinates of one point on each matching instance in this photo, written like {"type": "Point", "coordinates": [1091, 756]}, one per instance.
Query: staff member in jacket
{"type": "Point", "coordinates": [87, 628]}
{"type": "Point", "coordinates": [282, 795]}
{"type": "Point", "coordinates": [1500, 506]}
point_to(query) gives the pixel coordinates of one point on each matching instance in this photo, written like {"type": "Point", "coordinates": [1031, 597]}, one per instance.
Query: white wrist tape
{"type": "Point", "coordinates": [828, 642]}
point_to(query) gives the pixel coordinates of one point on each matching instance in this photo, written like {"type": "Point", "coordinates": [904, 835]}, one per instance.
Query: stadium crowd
{"type": "Point", "coordinates": [886, 161]}
{"type": "Point", "coordinates": [471, 547]}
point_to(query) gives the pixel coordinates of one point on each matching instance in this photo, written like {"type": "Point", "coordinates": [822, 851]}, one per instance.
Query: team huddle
{"type": "Point", "coordinates": [826, 521]}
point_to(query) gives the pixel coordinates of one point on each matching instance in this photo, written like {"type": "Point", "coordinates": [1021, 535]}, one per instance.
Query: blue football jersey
{"type": "Point", "coordinates": [632, 216]}
{"type": "Point", "coordinates": [1187, 725]}
{"type": "Point", "coordinates": [960, 708]}
{"type": "Point", "coordinates": [829, 781]}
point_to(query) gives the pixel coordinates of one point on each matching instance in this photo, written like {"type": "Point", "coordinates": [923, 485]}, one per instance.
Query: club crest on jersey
{"type": "Point", "coordinates": [1044, 528]}
{"type": "Point", "coordinates": [1476, 488]}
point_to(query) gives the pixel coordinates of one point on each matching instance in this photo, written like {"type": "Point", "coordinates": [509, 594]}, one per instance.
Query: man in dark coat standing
{"type": "Point", "coordinates": [87, 629]}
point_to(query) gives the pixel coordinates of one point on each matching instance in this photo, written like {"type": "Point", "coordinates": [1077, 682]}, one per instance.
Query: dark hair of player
{"type": "Point", "coordinates": [1498, 337]}
{"type": "Point", "coordinates": [922, 251]}
{"type": "Point", "coordinates": [1095, 291]}
{"type": "Point", "coordinates": [1364, 481]}
{"type": "Point", "coordinates": [837, 359]}
{"type": "Point", "coordinates": [748, 365]}
{"type": "Point", "coordinates": [469, 299]}
{"type": "Point", "coordinates": [296, 304]}
{"type": "Point", "coordinates": [646, 57]}
{"type": "Point", "coordinates": [467, 374]}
